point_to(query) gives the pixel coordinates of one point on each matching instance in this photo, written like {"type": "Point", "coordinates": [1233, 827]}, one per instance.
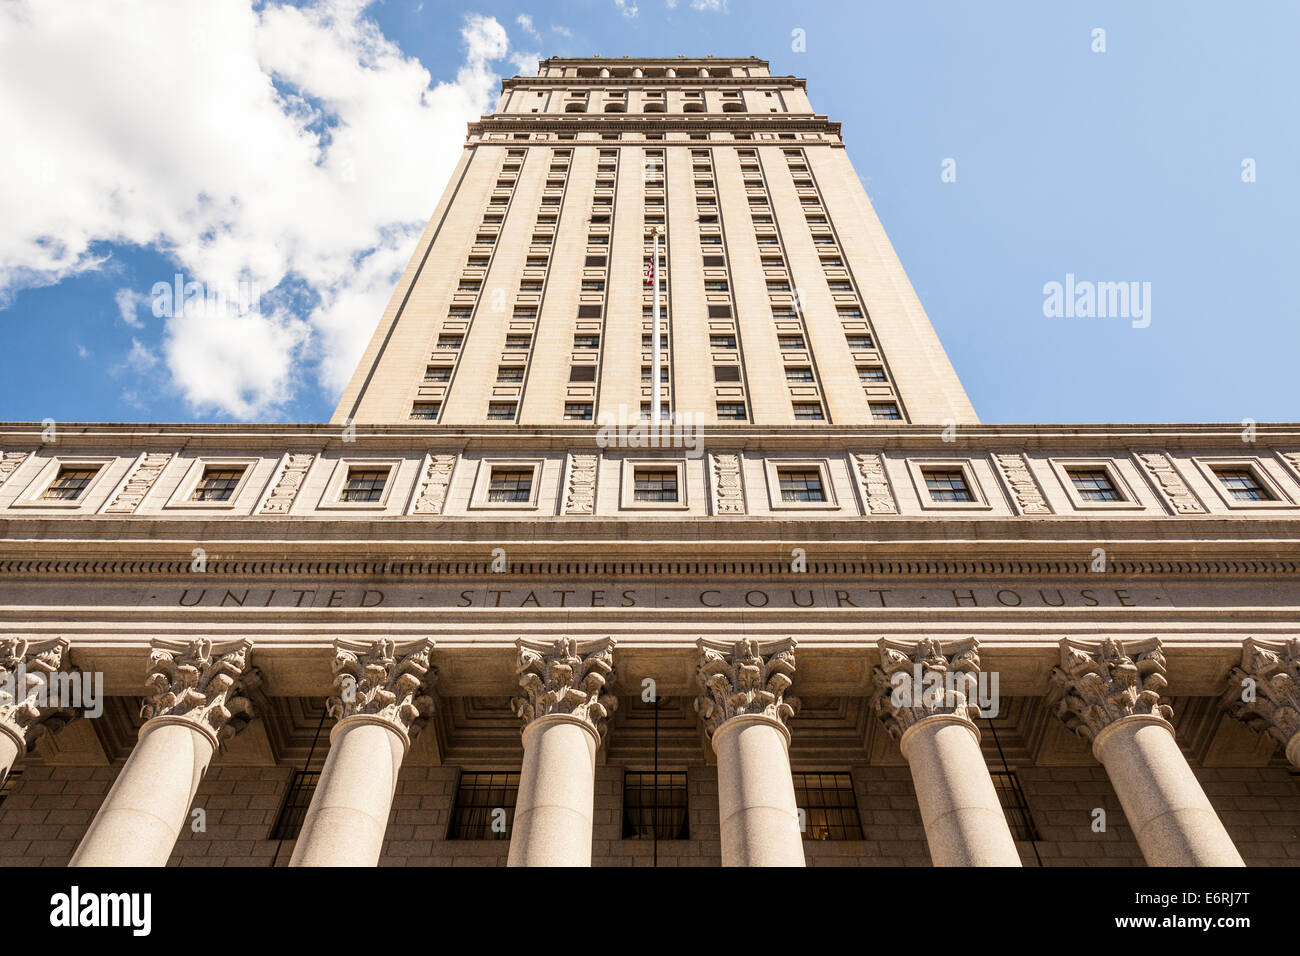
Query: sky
{"type": "Point", "coordinates": [284, 157]}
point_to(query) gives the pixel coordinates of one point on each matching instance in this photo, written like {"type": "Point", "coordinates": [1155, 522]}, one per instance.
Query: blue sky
{"type": "Point", "coordinates": [300, 150]}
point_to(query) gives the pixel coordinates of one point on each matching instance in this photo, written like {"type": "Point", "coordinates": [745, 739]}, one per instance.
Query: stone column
{"type": "Point", "coordinates": [198, 699]}
{"type": "Point", "coordinates": [1109, 693]}
{"type": "Point", "coordinates": [745, 711]}
{"type": "Point", "coordinates": [381, 703]}
{"type": "Point", "coordinates": [923, 692]}
{"type": "Point", "coordinates": [33, 702]}
{"type": "Point", "coordinates": [1264, 692]}
{"type": "Point", "coordinates": [564, 707]}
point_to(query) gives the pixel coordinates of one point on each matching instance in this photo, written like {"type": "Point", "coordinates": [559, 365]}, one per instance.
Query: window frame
{"type": "Point", "coordinates": [30, 497]}
{"type": "Point", "coordinates": [180, 497]}
{"type": "Point", "coordinates": [1207, 466]}
{"type": "Point", "coordinates": [1063, 466]}
{"type": "Point", "coordinates": [916, 468]}
{"type": "Point", "coordinates": [772, 468]}
{"type": "Point", "coordinates": [627, 484]}
{"type": "Point", "coordinates": [483, 484]}
{"type": "Point", "coordinates": [331, 498]}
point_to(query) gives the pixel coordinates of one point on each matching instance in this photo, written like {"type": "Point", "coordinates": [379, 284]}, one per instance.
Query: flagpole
{"type": "Point", "coordinates": [654, 336]}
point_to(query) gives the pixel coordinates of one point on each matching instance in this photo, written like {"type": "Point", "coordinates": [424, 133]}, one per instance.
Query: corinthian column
{"type": "Point", "coordinates": [1109, 693]}
{"type": "Point", "coordinates": [197, 700]}
{"type": "Point", "coordinates": [923, 697]}
{"type": "Point", "coordinates": [564, 708]}
{"type": "Point", "coordinates": [381, 702]}
{"type": "Point", "coordinates": [29, 705]}
{"type": "Point", "coordinates": [1264, 692]}
{"type": "Point", "coordinates": [745, 711]}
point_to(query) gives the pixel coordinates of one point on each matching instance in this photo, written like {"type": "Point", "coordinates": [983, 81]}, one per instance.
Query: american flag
{"type": "Point", "coordinates": [650, 273]}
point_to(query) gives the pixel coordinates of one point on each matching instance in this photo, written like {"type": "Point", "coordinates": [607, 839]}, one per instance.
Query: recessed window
{"type": "Point", "coordinates": [646, 341]}
{"type": "Point", "coordinates": [655, 806]}
{"type": "Point", "coordinates": [537, 262]}
{"type": "Point", "coordinates": [732, 411]}
{"type": "Point", "coordinates": [468, 285]}
{"type": "Point", "coordinates": [593, 285]}
{"type": "Point", "coordinates": [885, 412]}
{"type": "Point", "coordinates": [664, 414]}
{"type": "Point", "coordinates": [70, 482]}
{"type": "Point", "coordinates": [510, 484]}
{"type": "Point", "coordinates": [586, 341]}
{"type": "Point", "coordinates": [582, 373]}
{"type": "Point", "coordinates": [217, 484]}
{"type": "Point", "coordinates": [715, 286]}
{"type": "Point", "coordinates": [871, 373]}
{"type": "Point", "coordinates": [577, 411]}
{"type": "Point", "coordinates": [798, 374]}
{"type": "Point", "coordinates": [722, 341]}
{"type": "Point", "coordinates": [848, 312]}
{"type": "Point", "coordinates": [801, 484]}
{"type": "Point", "coordinates": [510, 373]}
{"type": "Point", "coordinates": [726, 373]}
{"type": "Point", "coordinates": [530, 285]}
{"type": "Point", "coordinates": [437, 373]}
{"type": "Point", "coordinates": [485, 806]}
{"type": "Point", "coordinates": [808, 412]}
{"type": "Point", "coordinates": [646, 373]}
{"type": "Point", "coordinates": [501, 411]}
{"type": "Point", "coordinates": [425, 411]}
{"type": "Point", "coordinates": [364, 484]}
{"type": "Point", "coordinates": [861, 342]}
{"type": "Point", "coordinates": [517, 342]}
{"type": "Point", "coordinates": [1094, 484]}
{"type": "Point", "coordinates": [1242, 484]}
{"type": "Point", "coordinates": [449, 341]}
{"type": "Point", "coordinates": [947, 484]}
{"type": "Point", "coordinates": [829, 804]}
{"type": "Point", "coordinates": [655, 484]}
{"type": "Point", "coordinates": [790, 341]}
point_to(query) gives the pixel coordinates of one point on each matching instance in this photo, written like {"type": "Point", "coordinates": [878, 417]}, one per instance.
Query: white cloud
{"type": "Point", "coordinates": [712, 6]}
{"type": "Point", "coordinates": [282, 144]}
{"type": "Point", "coordinates": [140, 359]}
{"type": "Point", "coordinates": [526, 24]}
{"type": "Point", "coordinates": [629, 9]}
{"type": "Point", "coordinates": [562, 31]}
{"type": "Point", "coordinates": [129, 303]}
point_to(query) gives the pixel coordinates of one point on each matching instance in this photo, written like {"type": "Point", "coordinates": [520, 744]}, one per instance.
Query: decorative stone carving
{"type": "Point", "coordinates": [28, 684]}
{"type": "Point", "coordinates": [946, 672]}
{"type": "Point", "coordinates": [749, 678]}
{"type": "Point", "coordinates": [9, 462]}
{"type": "Point", "coordinates": [1172, 484]}
{"type": "Point", "coordinates": [727, 496]}
{"type": "Point", "coordinates": [1274, 669]}
{"type": "Point", "coordinates": [565, 677]}
{"type": "Point", "coordinates": [207, 684]}
{"type": "Point", "coordinates": [1021, 481]}
{"type": "Point", "coordinates": [386, 680]}
{"type": "Point", "coordinates": [286, 488]}
{"type": "Point", "coordinates": [1097, 684]}
{"type": "Point", "coordinates": [879, 496]}
{"type": "Point", "coordinates": [1292, 458]}
{"type": "Point", "coordinates": [138, 485]}
{"type": "Point", "coordinates": [581, 496]}
{"type": "Point", "coordinates": [433, 487]}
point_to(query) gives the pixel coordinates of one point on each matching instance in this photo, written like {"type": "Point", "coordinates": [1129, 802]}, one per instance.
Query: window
{"type": "Point", "coordinates": [722, 341]}
{"type": "Point", "coordinates": [1243, 484]}
{"type": "Point", "coordinates": [798, 374]}
{"type": "Point", "coordinates": [510, 484]}
{"type": "Point", "coordinates": [645, 341]}
{"type": "Point", "coordinates": [710, 240]}
{"type": "Point", "coordinates": [593, 285]}
{"type": "Point", "coordinates": [790, 341]}
{"type": "Point", "coordinates": [510, 373]}
{"type": "Point", "coordinates": [437, 373]}
{"type": "Point", "coordinates": [663, 373]}
{"type": "Point", "coordinates": [885, 411]}
{"type": "Point", "coordinates": [518, 341]}
{"type": "Point", "coordinates": [655, 806]}
{"type": "Point", "coordinates": [732, 411]}
{"type": "Point", "coordinates": [425, 411]}
{"type": "Point", "coordinates": [871, 373]}
{"type": "Point", "coordinates": [861, 342]}
{"type": "Point", "coordinates": [718, 286]}
{"type": "Point", "coordinates": [586, 341]}
{"type": "Point", "coordinates": [302, 787]}
{"type": "Point", "coordinates": [537, 262]}
{"type": "Point", "coordinates": [829, 805]}
{"type": "Point", "coordinates": [947, 484]}
{"type": "Point", "coordinates": [468, 285]}
{"type": "Point", "coordinates": [530, 285]}
{"type": "Point", "coordinates": [582, 373]}
{"type": "Point", "coordinates": [217, 484]}
{"type": "Point", "coordinates": [807, 411]}
{"type": "Point", "coordinates": [846, 312]}
{"type": "Point", "coordinates": [449, 341]}
{"type": "Point", "coordinates": [365, 484]}
{"type": "Point", "coordinates": [70, 482]}
{"type": "Point", "coordinates": [832, 262]}
{"type": "Point", "coordinates": [664, 414]}
{"type": "Point", "coordinates": [780, 286]}
{"type": "Point", "coordinates": [501, 411]}
{"type": "Point", "coordinates": [726, 373]}
{"type": "Point", "coordinates": [598, 240]}
{"type": "Point", "coordinates": [655, 484]}
{"type": "Point", "coordinates": [485, 806]}
{"type": "Point", "coordinates": [801, 484]}
{"type": "Point", "coordinates": [577, 411]}
{"type": "Point", "coordinates": [1012, 798]}
{"type": "Point", "coordinates": [1094, 484]}
{"type": "Point", "coordinates": [478, 262]}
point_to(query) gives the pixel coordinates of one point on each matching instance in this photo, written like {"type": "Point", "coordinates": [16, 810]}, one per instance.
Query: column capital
{"type": "Point", "coordinates": [385, 681]}
{"type": "Point", "coordinates": [925, 678]}
{"type": "Point", "coordinates": [1098, 683]}
{"type": "Point", "coordinates": [1269, 704]}
{"type": "Point", "coordinates": [208, 685]}
{"type": "Point", "coordinates": [745, 679]}
{"type": "Point", "coordinates": [565, 677]}
{"type": "Point", "coordinates": [26, 709]}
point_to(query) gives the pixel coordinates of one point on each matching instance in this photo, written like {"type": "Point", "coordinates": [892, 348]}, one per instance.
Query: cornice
{"type": "Point", "coordinates": [655, 122]}
{"type": "Point", "coordinates": [757, 82]}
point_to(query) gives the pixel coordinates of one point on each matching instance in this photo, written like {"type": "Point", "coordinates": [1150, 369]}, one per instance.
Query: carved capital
{"type": "Point", "coordinates": [565, 677]}
{"type": "Point", "coordinates": [1265, 690]}
{"type": "Point", "coordinates": [923, 679]}
{"type": "Point", "coordinates": [1098, 684]}
{"type": "Point", "coordinates": [747, 678]}
{"type": "Point", "coordinates": [209, 685]}
{"type": "Point", "coordinates": [32, 698]}
{"type": "Point", "coordinates": [385, 680]}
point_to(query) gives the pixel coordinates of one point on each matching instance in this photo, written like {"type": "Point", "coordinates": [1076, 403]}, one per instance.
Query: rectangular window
{"type": "Point", "coordinates": [885, 411]}
{"type": "Point", "coordinates": [437, 373]}
{"type": "Point", "coordinates": [449, 341]}
{"type": "Point", "coordinates": [510, 484]}
{"type": "Point", "coordinates": [586, 341]}
{"type": "Point", "coordinates": [425, 411]}
{"type": "Point", "coordinates": [537, 262]}
{"type": "Point", "coordinates": [716, 286]}
{"type": "Point", "coordinates": [655, 484]}
{"type": "Point", "coordinates": [294, 809]}
{"type": "Point", "coordinates": [510, 373]}
{"type": "Point", "coordinates": [790, 341]}
{"type": "Point", "coordinates": [1242, 484]}
{"type": "Point", "coordinates": [517, 342]}
{"type": "Point", "coordinates": [365, 484]}
{"type": "Point", "coordinates": [798, 374]}
{"type": "Point", "coordinates": [645, 342]}
{"type": "Point", "coordinates": [732, 411]}
{"type": "Point", "coordinates": [655, 806]}
{"type": "Point", "coordinates": [70, 482]}
{"type": "Point", "coordinates": [832, 262]}
{"type": "Point", "coordinates": [807, 411]}
{"type": "Point", "coordinates": [947, 484]}
{"type": "Point", "coordinates": [861, 342]}
{"type": "Point", "coordinates": [1093, 484]}
{"type": "Point", "coordinates": [726, 373]}
{"type": "Point", "coordinates": [468, 285]}
{"type": "Point", "coordinates": [829, 804]}
{"type": "Point", "coordinates": [217, 484]}
{"type": "Point", "coordinates": [582, 373]}
{"type": "Point", "coordinates": [663, 373]}
{"type": "Point", "coordinates": [530, 285]}
{"type": "Point", "coordinates": [501, 411]}
{"type": "Point", "coordinates": [722, 341]}
{"type": "Point", "coordinates": [593, 285]}
{"type": "Point", "coordinates": [1014, 805]}
{"type": "Point", "coordinates": [801, 484]}
{"type": "Point", "coordinates": [871, 373]}
{"type": "Point", "coordinates": [484, 808]}
{"type": "Point", "coordinates": [577, 411]}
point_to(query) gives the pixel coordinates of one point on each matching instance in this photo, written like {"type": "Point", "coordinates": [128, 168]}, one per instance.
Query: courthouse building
{"type": "Point", "coordinates": [489, 615]}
